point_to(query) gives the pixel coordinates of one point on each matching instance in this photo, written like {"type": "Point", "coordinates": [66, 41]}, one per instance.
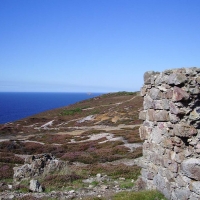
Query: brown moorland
{"type": "Point", "coordinates": [98, 135]}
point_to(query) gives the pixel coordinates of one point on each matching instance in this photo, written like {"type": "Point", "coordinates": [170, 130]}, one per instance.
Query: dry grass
{"type": "Point", "coordinates": [117, 108]}
{"type": "Point", "coordinates": [6, 170]}
{"type": "Point", "coordinates": [87, 152]}
{"type": "Point", "coordinates": [114, 171]}
{"type": "Point", "coordinates": [60, 181]}
{"type": "Point", "coordinates": [52, 138]}
{"type": "Point", "coordinates": [135, 154]}
{"type": "Point", "coordinates": [10, 158]}
{"type": "Point", "coordinates": [107, 103]}
{"type": "Point", "coordinates": [28, 197]}
{"type": "Point", "coordinates": [7, 162]}
{"type": "Point", "coordinates": [93, 152]}
{"type": "Point", "coordinates": [141, 195]}
{"type": "Point", "coordinates": [131, 135]}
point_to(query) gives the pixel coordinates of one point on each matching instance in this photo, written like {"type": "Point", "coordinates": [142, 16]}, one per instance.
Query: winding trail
{"type": "Point", "coordinates": [115, 104]}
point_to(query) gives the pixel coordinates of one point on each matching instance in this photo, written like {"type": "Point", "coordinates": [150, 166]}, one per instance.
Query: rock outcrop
{"type": "Point", "coordinates": [38, 165]}
{"type": "Point", "coordinates": [171, 130]}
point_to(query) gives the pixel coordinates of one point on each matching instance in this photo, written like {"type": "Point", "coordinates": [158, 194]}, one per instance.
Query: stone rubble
{"type": "Point", "coordinates": [35, 186]}
{"type": "Point", "coordinates": [104, 186]}
{"type": "Point", "coordinates": [38, 165]}
{"type": "Point", "coordinates": [171, 130]}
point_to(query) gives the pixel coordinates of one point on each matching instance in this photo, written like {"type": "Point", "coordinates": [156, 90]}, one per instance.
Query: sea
{"type": "Point", "coordinates": [18, 105]}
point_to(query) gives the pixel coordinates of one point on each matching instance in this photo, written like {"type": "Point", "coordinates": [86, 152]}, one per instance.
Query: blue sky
{"type": "Point", "coordinates": [94, 45]}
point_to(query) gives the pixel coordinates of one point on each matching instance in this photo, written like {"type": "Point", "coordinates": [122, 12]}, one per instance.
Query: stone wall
{"type": "Point", "coordinates": [171, 133]}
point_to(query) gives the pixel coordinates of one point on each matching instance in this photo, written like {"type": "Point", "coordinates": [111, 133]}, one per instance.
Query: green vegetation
{"type": "Point", "coordinates": [94, 198]}
{"type": "Point", "coordinates": [94, 183]}
{"type": "Point", "coordinates": [111, 109]}
{"type": "Point", "coordinates": [120, 93]}
{"type": "Point", "coordinates": [113, 171]}
{"type": "Point", "coordinates": [142, 195]}
{"type": "Point", "coordinates": [71, 111]}
{"type": "Point", "coordinates": [23, 187]}
{"type": "Point", "coordinates": [126, 93]}
{"type": "Point", "coordinates": [94, 112]}
{"type": "Point", "coordinates": [126, 184]}
{"type": "Point", "coordinates": [59, 182]}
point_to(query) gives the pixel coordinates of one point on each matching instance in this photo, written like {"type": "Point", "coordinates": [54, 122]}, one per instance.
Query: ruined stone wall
{"type": "Point", "coordinates": [171, 133]}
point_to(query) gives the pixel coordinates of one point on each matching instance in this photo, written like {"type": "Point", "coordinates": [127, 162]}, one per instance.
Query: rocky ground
{"type": "Point", "coordinates": [98, 139]}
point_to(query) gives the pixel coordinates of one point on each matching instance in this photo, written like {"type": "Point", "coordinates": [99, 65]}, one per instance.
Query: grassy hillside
{"type": "Point", "coordinates": [98, 135]}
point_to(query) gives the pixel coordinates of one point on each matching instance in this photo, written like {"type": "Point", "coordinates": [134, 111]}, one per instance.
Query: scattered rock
{"type": "Point", "coordinates": [98, 175]}
{"type": "Point", "coordinates": [11, 196]}
{"type": "Point", "coordinates": [37, 165]}
{"type": "Point", "coordinates": [104, 187]}
{"type": "Point", "coordinates": [35, 186]}
{"type": "Point", "coordinates": [10, 187]}
{"type": "Point", "coordinates": [71, 191]}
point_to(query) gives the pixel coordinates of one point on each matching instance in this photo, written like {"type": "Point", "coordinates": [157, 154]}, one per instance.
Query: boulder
{"type": "Point", "coordinates": [35, 186]}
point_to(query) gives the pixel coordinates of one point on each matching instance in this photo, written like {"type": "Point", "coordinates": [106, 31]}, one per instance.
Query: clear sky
{"type": "Point", "coordinates": [94, 45]}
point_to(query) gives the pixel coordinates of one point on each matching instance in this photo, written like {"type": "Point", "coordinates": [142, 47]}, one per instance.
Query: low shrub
{"type": "Point", "coordinates": [78, 156]}
{"type": "Point", "coordinates": [142, 195]}
{"type": "Point", "coordinates": [71, 111]}
{"type": "Point", "coordinates": [91, 132]}
{"type": "Point", "coordinates": [9, 146]}
{"type": "Point", "coordinates": [135, 154]}
{"type": "Point", "coordinates": [114, 171]}
{"type": "Point", "coordinates": [59, 181]}
{"type": "Point", "coordinates": [126, 184]}
{"type": "Point", "coordinates": [52, 138]}
{"type": "Point", "coordinates": [28, 197]}
{"type": "Point", "coordinates": [3, 186]}
{"type": "Point", "coordinates": [109, 144]}
{"type": "Point", "coordinates": [6, 170]}
{"type": "Point", "coordinates": [10, 158]}
{"type": "Point", "coordinates": [22, 188]}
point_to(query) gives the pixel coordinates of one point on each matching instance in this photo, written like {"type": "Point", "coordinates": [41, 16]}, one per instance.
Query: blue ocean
{"type": "Point", "coordinates": [18, 105]}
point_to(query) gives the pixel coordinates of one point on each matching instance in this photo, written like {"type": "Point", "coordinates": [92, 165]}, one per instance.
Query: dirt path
{"type": "Point", "coordinates": [115, 104]}
{"type": "Point", "coordinates": [82, 129]}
